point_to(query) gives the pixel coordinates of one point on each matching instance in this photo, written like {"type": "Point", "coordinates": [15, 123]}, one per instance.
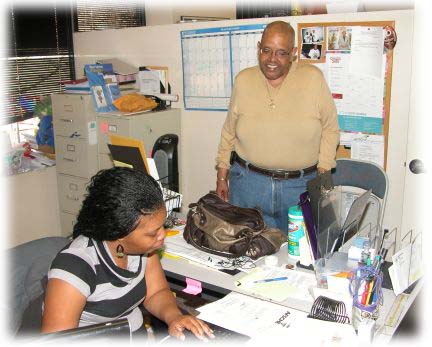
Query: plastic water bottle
{"type": "Point", "coordinates": [296, 230]}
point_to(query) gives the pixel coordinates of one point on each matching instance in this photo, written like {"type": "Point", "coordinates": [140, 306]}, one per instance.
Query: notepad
{"type": "Point", "coordinates": [296, 285]}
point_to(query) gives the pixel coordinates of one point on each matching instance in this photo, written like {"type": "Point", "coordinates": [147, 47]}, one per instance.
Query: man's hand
{"type": "Point", "coordinates": [321, 170]}
{"type": "Point", "coordinates": [222, 189]}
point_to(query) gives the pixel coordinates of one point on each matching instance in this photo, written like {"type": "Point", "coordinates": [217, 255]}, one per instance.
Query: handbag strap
{"type": "Point", "coordinates": [212, 251]}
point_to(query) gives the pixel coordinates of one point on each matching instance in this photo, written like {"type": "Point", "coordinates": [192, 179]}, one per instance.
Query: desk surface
{"type": "Point", "coordinates": [225, 283]}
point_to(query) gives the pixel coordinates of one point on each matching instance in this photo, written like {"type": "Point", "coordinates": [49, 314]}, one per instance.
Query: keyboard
{"type": "Point", "coordinates": [222, 335]}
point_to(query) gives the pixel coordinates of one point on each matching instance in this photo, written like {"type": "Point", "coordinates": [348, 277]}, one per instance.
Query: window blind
{"type": "Point", "coordinates": [39, 56]}
{"type": "Point", "coordinates": [96, 15]}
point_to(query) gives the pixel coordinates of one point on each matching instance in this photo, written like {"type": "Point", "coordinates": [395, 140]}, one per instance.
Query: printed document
{"type": "Point", "coordinates": [296, 286]}
{"type": "Point", "coordinates": [250, 316]}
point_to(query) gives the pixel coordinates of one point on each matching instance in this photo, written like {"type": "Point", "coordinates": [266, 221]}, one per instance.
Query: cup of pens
{"type": "Point", "coordinates": [366, 290]}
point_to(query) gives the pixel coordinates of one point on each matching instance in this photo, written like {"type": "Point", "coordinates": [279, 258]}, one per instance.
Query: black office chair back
{"type": "Point", "coordinates": [360, 174]}
{"type": "Point", "coordinates": [28, 265]}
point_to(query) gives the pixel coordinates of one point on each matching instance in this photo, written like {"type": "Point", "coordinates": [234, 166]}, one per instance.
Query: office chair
{"type": "Point", "coordinates": [355, 176]}
{"type": "Point", "coordinates": [28, 265]}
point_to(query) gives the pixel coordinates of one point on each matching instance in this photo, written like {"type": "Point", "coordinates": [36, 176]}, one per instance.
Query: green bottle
{"type": "Point", "coordinates": [296, 230]}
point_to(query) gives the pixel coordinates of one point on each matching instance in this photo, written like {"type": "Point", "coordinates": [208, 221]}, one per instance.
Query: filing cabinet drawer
{"type": "Point", "coordinates": [111, 126]}
{"type": "Point", "coordinates": [75, 157]}
{"type": "Point", "coordinates": [72, 114]}
{"type": "Point", "coordinates": [147, 127]}
{"type": "Point", "coordinates": [67, 222]}
{"type": "Point", "coordinates": [71, 192]}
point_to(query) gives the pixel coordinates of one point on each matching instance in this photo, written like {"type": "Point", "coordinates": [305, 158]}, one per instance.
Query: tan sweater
{"type": "Point", "coordinates": [302, 129]}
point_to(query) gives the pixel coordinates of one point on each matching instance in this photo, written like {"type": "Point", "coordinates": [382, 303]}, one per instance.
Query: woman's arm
{"type": "Point", "coordinates": [161, 303]}
{"type": "Point", "coordinates": [63, 306]}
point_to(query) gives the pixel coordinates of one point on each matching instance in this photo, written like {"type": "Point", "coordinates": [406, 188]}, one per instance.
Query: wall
{"type": "Point", "coordinates": [158, 13]}
{"type": "Point", "coordinates": [33, 206]}
{"type": "Point", "coordinates": [160, 45]}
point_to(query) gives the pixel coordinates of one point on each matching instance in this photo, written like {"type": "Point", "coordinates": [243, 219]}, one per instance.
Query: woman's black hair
{"type": "Point", "coordinates": [116, 200]}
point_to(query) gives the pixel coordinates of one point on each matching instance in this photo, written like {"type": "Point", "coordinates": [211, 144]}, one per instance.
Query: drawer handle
{"type": "Point", "coordinates": [66, 120]}
{"type": "Point", "coordinates": [70, 148]}
{"type": "Point", "coordinates": [68, 108]}
{"type": "Point", "coordinates": [70, 197]}
{"type": "Point", "coordinates": [69, 159]}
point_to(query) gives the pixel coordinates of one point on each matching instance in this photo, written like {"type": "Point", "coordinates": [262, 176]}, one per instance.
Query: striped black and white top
{"type": "Point", "coordinates": [111, 292]}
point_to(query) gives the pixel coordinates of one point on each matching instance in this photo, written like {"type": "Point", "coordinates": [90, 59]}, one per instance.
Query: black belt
{"type": "Point", "coordinates": [282, 174]}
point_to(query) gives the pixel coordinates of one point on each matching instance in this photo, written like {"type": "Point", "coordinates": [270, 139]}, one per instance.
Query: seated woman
{"type": "Point", "coordinates": [112, 265]}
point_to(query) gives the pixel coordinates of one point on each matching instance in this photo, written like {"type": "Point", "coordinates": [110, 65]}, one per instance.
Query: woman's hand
{"type": "Point", "coordinates": [200, 329]}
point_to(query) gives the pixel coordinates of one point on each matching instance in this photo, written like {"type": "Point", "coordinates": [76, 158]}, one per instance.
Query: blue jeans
{"type": "Point", "coordinates": [271, 195]}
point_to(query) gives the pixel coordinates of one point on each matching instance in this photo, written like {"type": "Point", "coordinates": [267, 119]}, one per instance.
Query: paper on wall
{"type": "Point", "coordinates": [367, 46]}
{"type": "Point", "coordinates": [368, 147]}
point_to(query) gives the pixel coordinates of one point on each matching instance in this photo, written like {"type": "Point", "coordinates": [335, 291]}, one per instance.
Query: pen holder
{"type": "Point", "coordinates": [365, 288]}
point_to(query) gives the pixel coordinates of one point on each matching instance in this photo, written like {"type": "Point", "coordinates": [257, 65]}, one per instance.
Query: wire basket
{"type": "Point", "coordinates": [172, 200]}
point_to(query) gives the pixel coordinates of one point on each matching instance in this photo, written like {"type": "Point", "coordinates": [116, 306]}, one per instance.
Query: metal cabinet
{"type": "Point", "coordinates": [146, 126]}
{"type": "Point", "coordinates": [74, 120]}
{"type": "Point", "coordinates": [81, 137]}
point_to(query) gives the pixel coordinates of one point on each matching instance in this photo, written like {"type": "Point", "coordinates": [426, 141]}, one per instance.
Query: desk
{"type": "Point", "coordinates": [220, 284]}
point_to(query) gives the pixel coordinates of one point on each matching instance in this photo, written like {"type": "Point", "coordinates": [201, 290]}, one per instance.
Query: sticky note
{"type": "Point", "coordinates": [193, 286]}
{"type": "Point", "coordinates": [104, 127]}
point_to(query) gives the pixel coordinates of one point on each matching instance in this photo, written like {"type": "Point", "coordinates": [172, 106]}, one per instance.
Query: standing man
{"type": "Point", "coordinates": [280, 129]}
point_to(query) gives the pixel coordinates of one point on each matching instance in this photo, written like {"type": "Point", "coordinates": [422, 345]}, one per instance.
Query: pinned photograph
{"type": "Point", "coordinates": [312, 35]}
{"type": "Point", "coordinates": [339, 39]}
{"type": "Point", "coordinates": [311, 51]}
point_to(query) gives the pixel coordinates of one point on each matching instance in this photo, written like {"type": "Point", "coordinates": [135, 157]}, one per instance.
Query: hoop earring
{"type": "Point", "coordinates": [120, 251]}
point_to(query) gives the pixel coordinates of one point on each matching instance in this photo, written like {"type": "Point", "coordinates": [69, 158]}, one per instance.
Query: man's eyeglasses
{"type": "Point", "coordinates": [279, 53]}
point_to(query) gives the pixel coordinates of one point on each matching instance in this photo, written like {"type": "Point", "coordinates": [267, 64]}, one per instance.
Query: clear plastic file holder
{"type": "Point", "coordinates": [341, 217]}
{"type": "Point", "coordinates": [328, 221]}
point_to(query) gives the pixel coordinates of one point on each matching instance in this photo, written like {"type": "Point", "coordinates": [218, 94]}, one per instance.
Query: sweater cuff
{"type": "Point", "coordinates": [326, 165]}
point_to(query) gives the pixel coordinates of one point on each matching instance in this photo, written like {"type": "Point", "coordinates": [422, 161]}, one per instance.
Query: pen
{"type": "Point", "coordinates": [271, 279]}
{"type": "Point", "coordinates": [373, 298]}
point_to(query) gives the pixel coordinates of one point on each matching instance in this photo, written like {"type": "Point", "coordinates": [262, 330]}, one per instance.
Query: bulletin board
{"type": "Point", "coordinates": [348, 53]}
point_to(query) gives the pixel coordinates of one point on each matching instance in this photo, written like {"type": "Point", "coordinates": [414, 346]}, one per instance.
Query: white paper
{"type": "Point", "coordinates": [92, 133]}
{"type": "Point", "coordinates": [406, 268]}
{"type": "Point", "coordinates": [296, 286]}
{"type": "Point", "coordinates": [367, 44]}
{"type": "Point", "coordinates": [338, 70]}
{"type": "Point", "coordinates": [149, 82]}
{"type": "Point", "coordinates": [346, 138]}
{"type": "Point", "coordinates": [152, 169]}
{"type": "Point", "coordinates": [315, 332]}
{"type": "Point", "coordinates": [177, 245]}
{"type": "Point", "coordinates": [368, 147]}
{"type": "Point", "coordinates": [354, 93]}
{"type": "Point", "coordinates": [251, 316]}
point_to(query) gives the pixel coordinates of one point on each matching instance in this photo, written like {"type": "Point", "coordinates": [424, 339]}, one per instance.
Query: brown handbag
{"type": "Point", "coordinates": [218, 227]}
